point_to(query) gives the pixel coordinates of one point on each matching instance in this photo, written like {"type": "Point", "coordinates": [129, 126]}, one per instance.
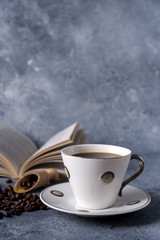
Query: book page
{"type": "Point", "coordinates": [61, 139]}
{"type": "Point", "coordinates": [56, 149]}
{"type": "Point", "coordinates": [4, 172]}
{"type": "Point", "coordinates": [65, 135]}
{"type": "Point", "coordinates": [51, 159]}
{"type": "Point", "coordinates": [15, 147]}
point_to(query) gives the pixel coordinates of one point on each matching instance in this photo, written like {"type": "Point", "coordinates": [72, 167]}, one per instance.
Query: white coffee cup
{"type": "Point", "coordinates": [96, 183]}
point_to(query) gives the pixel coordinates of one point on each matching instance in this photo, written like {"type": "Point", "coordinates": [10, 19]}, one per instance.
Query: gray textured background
{"type": "Point", "coordinates": [95, 62]}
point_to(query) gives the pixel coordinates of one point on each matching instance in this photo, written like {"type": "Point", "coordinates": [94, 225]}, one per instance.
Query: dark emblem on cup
{"type": "Point", "coordinates": [107, 177]}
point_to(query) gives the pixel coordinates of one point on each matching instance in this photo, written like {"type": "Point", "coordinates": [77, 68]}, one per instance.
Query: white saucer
{"type": "Point", "coordinates": [133, 199]}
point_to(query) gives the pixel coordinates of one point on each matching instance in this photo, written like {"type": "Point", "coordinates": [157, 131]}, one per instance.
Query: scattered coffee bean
{"type": "Point", "coordinates": [28, 196]}
{"type": "Point", "coordinates": [12, 211]}
{"type": "Point", "coordinates": [43, 207]}
{"type": "Point", "coordinates": [7, 214]}
{"type": "Point", "coordinates": [17, 212]}
{"type": "Point", "coordinates": [9, 188]}
{"type": "Point", "coordinates": [16, 203]}
{"type": "Point", "coordinates": [1, 215]}
{"type": "Point", "coordinates": [9, 181]}
{"type": "Point", "coordinates": [18, 196]}
{"type": "Point", "coordinates": [13, 206]}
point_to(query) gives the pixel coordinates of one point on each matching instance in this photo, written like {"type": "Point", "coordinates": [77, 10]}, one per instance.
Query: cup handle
{"type": "Point", "coordinates": [141, 167]}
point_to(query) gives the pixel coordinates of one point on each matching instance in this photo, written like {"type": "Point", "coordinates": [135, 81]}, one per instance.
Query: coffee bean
{"type": "Point", "coordinates": [17, 212]}
{"type": "Point", "coordinates": [10, 193]}
{"type": "Point", "coordinates": [27, 205]}
{"type": "Point", "coordinates": [22, 204]}
{"type": "Point", "coordinates": [1, 215]}
{"type": "Point", "coordinates": [43, 207]}
{"type": "Point", "coordinates": [29, 185]}
{"type": "Point", "coordinates": [18, 207]}
{"type": "Point", "coordinates": [13, 197]}
{"type": "Point", "coordinates": [32, 198]}
{"type": "Point", "coordinates": [13, 206]}
{"type": "Point", "coordinates": [9, 188]}
{"type": "Point", "coordinates": [28, 196]}
{"type": "Point", "coordinates": [7, 214]}
{"type": "Point", "coordinates": [9, 181]}
{"type": "Point", "coordinates": [36, 207]}
{"type": "Point", "coordinates": [16, 203]}
{"type": "Point", "coordinates": [1, 196]}
{"type": "Point", "coordinates": [3, 205]}
{"type": "Point", "coordinates": [18, 195]}
{"type": "Point", "coordinates": [23, 184]}
{"type": "Point", "coordinates": [28, 209]}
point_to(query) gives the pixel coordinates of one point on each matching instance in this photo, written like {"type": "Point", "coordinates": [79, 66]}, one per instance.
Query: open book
{"type": "Point", "coordinates": [18, 154]}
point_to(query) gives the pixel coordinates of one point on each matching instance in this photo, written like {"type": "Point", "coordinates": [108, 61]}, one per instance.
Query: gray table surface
{"type": "Point", "coordinates": [52, 224]}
